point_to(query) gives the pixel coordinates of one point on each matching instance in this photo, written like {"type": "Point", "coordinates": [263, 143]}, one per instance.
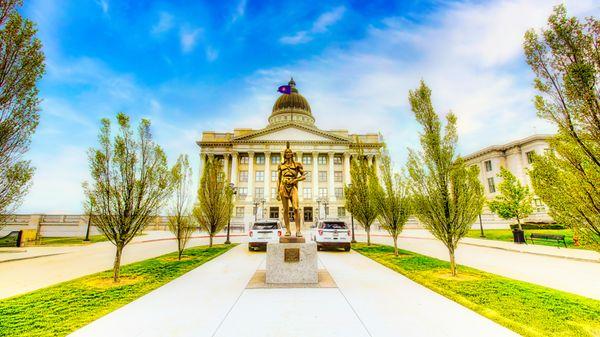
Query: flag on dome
{"type": "Point", "coordinates": [285, 89]}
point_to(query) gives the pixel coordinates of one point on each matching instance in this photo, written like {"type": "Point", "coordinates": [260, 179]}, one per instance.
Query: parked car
{"type": "Point", "coordinates": [263, 232]}
{"type": "Point", "coordinates": [332, 233]}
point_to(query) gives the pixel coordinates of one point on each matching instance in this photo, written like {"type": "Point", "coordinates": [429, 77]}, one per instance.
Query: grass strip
{"type": "Point", "coordinates": [63, 308]}
{"type": "Point", "coordinates": [70, 241]}
{"type": "Point", "coordinates": [528, 309]}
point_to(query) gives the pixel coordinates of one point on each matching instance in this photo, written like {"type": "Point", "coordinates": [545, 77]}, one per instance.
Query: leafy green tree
{"type": "Point", "coordinates": [514, 201]}
{"type": "Point", "coordinates": [361, 194]}
{"type": "Point", "coordinates": [215, 204]}
{"type": "Point", "coordinates": [393, 200]}
{"type": "Point", "coordinates": [181, 223]}
{"type": "Point", "coordinates": [130, 183]}
{"type": "Point", "coordinates": [448, 195]}
{"type": "Point", "coordinates": [564, 58]}
{"type": "Point", "coordinates": [21, 66]}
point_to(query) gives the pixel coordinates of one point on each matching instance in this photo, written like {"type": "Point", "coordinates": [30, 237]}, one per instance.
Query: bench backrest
{"type": "Point", "coordinates": [548, 236]}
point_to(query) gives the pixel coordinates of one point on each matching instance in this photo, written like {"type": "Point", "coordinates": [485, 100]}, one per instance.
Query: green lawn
{"type": "Point", "coordinates": [506, 235]}
{"type": "Point", "coordinates": [59, 310]}
{"type": "Point", "coordinates": [70, 241]}
{"type": "Point", "coordinates": [525, 308]}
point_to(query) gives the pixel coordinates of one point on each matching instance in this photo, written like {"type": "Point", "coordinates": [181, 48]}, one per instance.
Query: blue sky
{"type": "Point", "coordinates": [192, 66]}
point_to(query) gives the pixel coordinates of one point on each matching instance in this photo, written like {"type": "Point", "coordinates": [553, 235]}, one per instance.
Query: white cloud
{"type": "Point", "coordinates": [164, 24]}
{"type": "Point", "coordinates": [211, 54]}
{"type": "Point", "coordinates": [188, 39]}
{"type": "Point", "coordinates": [321, 25]}
{"type": "Point", "coordinates": [240, 11]}
{"type": "Point", "coordinates": [103, 5]}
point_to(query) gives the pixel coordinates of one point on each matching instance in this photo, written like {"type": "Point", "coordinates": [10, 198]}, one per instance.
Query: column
{"type": "Point", "coordinates": [331, 192]}
{"type": "Point", "coordinates": [226, 165]}
{"type": "Point", "coordinates": [315, 175]}
{"type": "Point", "coordinates": [267, 185]}
{"type": "Point", "coordinates": [234, 169]}
{"type": "Point", "coordinates": [251, 176]}
{"type": "Point", "coordinates": [347, 178]}
{"type": "Point", "coordinates": [300, 183]}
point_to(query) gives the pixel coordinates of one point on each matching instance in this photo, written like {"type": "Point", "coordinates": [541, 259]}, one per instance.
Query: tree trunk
{"type": "Point", "coordinates": [117, 265]}
{"type": "Point", "coordinates": [210, 242]}
{"type": "Point", "coordinates": [179, 249]}
{"type": "Point", "coordinates": [368, 235]}
{"type": "Point", "coordinates": [452, 263]}
{"type": "Point", "coordinates": [396, 245]}
{"type": "Point", "coordinates": [519, 223]}
{"type": "Point", "coordinates": [180, 253]}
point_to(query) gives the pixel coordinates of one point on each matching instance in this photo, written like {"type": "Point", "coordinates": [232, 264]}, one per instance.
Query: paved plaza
{"type": "Point", "coordinates": [369, 300]}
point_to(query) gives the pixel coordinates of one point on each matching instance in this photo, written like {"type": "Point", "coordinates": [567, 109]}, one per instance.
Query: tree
{"type": "Point", "coordinates": [21, 66]}
{"type": "Point", "coordinates": [180, 222]}
{"type": "Point", "coordinates": [130, 182]}
{"type": "Point", "coordinates": [393, 200]}
{"type": "Point", "coordinates": [565, 61]}
{"type": "Point", "coordinates": [361, 194]}
{"type": "Point", "coordinates": [514, 200]}
{"type": "Point", "coordinates": [448, 195]}
{"type": "Point", "coordinates": [214, 199]}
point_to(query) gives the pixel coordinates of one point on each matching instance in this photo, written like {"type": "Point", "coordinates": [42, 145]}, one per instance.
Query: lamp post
{"type": "Point", "coordinates": [319, 208]}
{"type": "Point", "coordinates": [234, 191]}
{"type": "Point", "coordinates": [256, 203]}
{"type": "Point", "coordinates": [325, 202]}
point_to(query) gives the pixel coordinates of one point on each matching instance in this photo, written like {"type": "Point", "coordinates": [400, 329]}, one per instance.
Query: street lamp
{"type": "Point", "coordinates": [234, 191]}
{"type": "Point", "coordinates": [257, 202]}
{"type": "Point", "coordinates": [325, 202]}
{"type": "Point", "coordinates": [352, 220]}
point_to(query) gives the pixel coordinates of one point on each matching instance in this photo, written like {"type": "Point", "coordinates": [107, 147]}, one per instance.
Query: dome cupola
{"type": "Point", "coordinates": [291, 107]}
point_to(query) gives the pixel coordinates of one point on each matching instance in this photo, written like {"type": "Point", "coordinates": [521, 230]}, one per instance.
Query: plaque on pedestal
{"type": "Point", "coordinates": [292, 263]}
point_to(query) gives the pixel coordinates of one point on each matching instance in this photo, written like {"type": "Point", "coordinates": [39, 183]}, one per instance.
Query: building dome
{"type": "Point", "coordinates": [291, 107]}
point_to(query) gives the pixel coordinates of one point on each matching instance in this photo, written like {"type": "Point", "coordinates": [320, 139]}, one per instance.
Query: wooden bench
{"type": "Point", "coordinates": [552, 237]}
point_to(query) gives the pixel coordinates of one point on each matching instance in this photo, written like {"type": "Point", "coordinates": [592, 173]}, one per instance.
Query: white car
{"type": "Point", "coordinates": [332, 233]}
{"type": "Point", "coordinates": [263, 232]}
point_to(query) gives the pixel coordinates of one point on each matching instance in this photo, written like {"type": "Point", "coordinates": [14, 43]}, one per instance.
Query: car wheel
{"type": "Point", "coordinates": [250, 249]}
{"type": "Point", "coordinates": [346, 249]}
{"type": "Point", "coordinates": [319, 248]}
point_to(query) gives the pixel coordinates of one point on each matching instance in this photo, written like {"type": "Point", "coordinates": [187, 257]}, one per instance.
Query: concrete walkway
{"type": "Point", "coordinates": [371, 300]}
{"type": "Point", "coordinates": [578, 277]}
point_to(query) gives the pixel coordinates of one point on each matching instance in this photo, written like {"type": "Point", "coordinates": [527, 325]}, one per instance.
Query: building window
{"type": "Point", "coordinates": [244, 160]}
{"type": "Point", "coordinates": [307, 160]}
{"type": "Point", "coordinates": [275, 159]}
{"type": "Point", "coordinates": [323, 192]}
{"type": "Point", "coordinates": [322, 176]}
{"type": "Point", "coordinates": [239, 212]}
{"type": "Point", "coordinates": [260, 176]}
{"type": "Point", "coordinates": [539, 205]}
{"type": "Point", "coordinates": [274, 175]}
{"type": "Point", "coordinates": [259, 192]}
{"type": "Point", "coordinates": [491, 185]}
{"type": "Point", "coordinates": [337, 176]}
{"type": "Point", "coordinates": [326, 211]}
{"type": "Point", "coordinates": [243, 176]}
{"type": "Point", "coordinates": [488, 165]}
{"type": "Point", "coordinates": [274, 212]}
{"type": "Point", "coordinates": [308, 176]}
{"type": "Point", "coordinates": [529, 156]}
{"type": "Point", "coordinates": [307, 193]}
{"type": "Point", "coordinates": [260, 159]}
{"type": "Point", "coordinates": [273, 193]}
{"type": "Point", "coordinates": [322, 159]}
{"type": "Point", "coordinates": [339, 192]}
{"type": "Point", "coordinates": [308, 214]}
{"type": "Point", "coordinates": [341, 211]}
{"type": "Point", "coordinates": [337, 160]}
{"type": "Point", "coordinates": [242, 191]}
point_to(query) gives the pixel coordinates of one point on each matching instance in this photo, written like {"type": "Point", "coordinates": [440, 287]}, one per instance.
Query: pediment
{"type": "Point", "coordinates": [293, 133]}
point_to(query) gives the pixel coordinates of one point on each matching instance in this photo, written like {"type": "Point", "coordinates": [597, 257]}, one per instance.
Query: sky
{"type": "Point", "coordinates": [193, 66]}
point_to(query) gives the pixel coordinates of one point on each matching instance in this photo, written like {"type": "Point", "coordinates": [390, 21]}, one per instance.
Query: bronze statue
{"type": "Point", "coordinates": [289, 174]}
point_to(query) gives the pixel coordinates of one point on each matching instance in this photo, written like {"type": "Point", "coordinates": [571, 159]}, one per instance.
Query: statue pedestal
{"type": "Point", "coordinates": [292, 262]}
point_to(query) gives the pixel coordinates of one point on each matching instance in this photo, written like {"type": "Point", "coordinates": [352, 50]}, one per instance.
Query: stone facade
{"type": "Point", "coordinates": [251, 157]}
{"type": "Point", "coordinates": [515, 157]}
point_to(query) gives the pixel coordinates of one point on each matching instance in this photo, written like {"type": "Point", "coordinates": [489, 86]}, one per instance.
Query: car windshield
{"type": "Point", "coordinates": [265, 225]}
{"type": "Point", "coordinates": [334, 225]}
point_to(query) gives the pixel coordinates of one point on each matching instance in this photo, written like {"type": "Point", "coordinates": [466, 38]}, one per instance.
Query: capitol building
{"type": "Point", "coordinates": [251, 156]}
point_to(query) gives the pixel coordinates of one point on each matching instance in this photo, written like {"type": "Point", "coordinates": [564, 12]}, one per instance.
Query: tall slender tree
{"type": "Point", "coordinates": [448, 195]}
{"type": "Point", "coordinates": [130, 183]}
{"type": "Point", "coordinates": [21, 66]}
{"type": "Point", "coordinates": [393, 200]}
{"type": "Point", "coordinates": [215, 204]}
{"type": "Point", "coordinates": [514, 201]}
{"type": "Point", "coordinates": [361, 194]}
{"type": "Point", "coordinates": [564, 58]}
{"type": "Point", "coordinates": [181, 223]}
